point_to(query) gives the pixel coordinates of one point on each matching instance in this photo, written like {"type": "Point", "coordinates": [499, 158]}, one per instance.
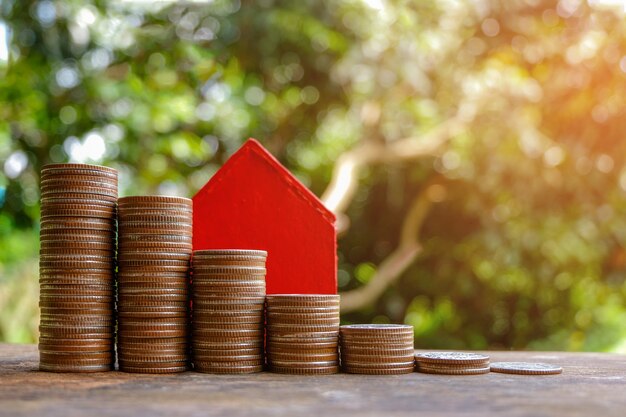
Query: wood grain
{"type": "Point", "coordinates": [592, 384]}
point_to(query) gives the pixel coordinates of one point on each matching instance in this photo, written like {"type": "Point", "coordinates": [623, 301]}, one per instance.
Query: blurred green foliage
{"type": "Point", "coordinates": [525, 251]}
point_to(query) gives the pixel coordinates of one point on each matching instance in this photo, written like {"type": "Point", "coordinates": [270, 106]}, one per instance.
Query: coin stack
{"type": "Point", "coordinates": [228, 289]}
{"type": "Point", "coordinates": [77, 268]}
{"type": "Point", "coordinates": [154, 251]}
{"type": "Point", "coordinates": [452, 363]}
{"type": "Point", "coordinates": [377, 349]}
{"type": "Point", "coordinates": [302, 333]}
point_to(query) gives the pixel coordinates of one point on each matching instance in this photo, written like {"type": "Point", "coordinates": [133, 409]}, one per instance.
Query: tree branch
{"type": "Point", "coordinates": [345, 179]}
{"type": "Point", "coordinates": [397, 262]}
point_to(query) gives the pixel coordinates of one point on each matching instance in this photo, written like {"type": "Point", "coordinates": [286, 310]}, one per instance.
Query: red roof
{"type": "Point", "coordinates": [253, 202]}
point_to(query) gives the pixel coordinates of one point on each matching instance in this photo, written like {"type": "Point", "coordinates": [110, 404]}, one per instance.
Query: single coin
{"type": "Point", "coordinates": [279, 311]}
{"type": "Point", "coordinates": [153, 225]}
{"type": "Point", "coordinates": [228, 270]}
{"type": "Point", "coordinates": [296, 329]}
{"type": "Point", "coordinates": [299, 356]}
{"type": "Point", "coordinates": [150, 199]}
{"type": "Point", "coordinates": [245, 369]}
{"type": "Point", "coordinates": [199, 293]}
{"type": "Point", "coordinates": [50, 367]}
{"type": "Point", "coordinates": [234, 333]}
{"type": "Point", "coordinates": [54, 223]}
{"type": "Point", "coordinates": [52, 355]}
{"type": "Point", "coordinates": [155, 370]}
{"type": "Point", "coordinates": [149, 334]}
{"type": "Point", "coordinates": [304, 335]}
{"type": "Point", "coordinates": [126, 255]}
{"type": "Point", "coordinates": [367, 371]}
{"type": "Point", "coordinates": [78, 192]}
{"type": "Point", "coordinates": [304, 371]}
{"type": "Point", "coordinates": [355, 358]}
{"type": "Point", "coordinates": [148, 344]}
{"type": "Point", "coordinates": [60, 167]}
{"type": "Point", "coordinates": [452, 371]}
{"type": "Point", "coordinates": [229, 252]}
{"type": "Point", "coordinates": [373, 351]}
{"type": "Point", "coordinates": [47, 213]}
{"type": "Point", "coordinates": [256, 359]}
{"type": "Point", "coordinates": [154, 245]}
{"type": "Point", "coordinates": [72, 292]}
{"type": "Point", "coordinates": [80, 309]}
{"type": "Point", "coordinates": [71, 348]}
{"type": "Point", "coordinates": [303, 323]}
{"type": "Point", "coordinates": [164, 298]}
{"type": "Point", "coordinates": [369, 328]}
{"type": "Point", "coordinates": [155, 321]}
{"type": "Point", "coordinates": [526, 368]}
{"type": "Point", "coordinates": [163, 217]}
{"type": "Point", "coordinates": [200, 281]}
{"type": "Point", "coordinates": [452, 357]}
{"type": "Point", "coordinates": [158, 210]}
{"type": "Point", "coordinates": [226, 343]}
{"type": "Point", "coordinates": [179, 285]}
{"type": "Point", "coordinates": [234, 353]}
{"type": "Point", "coordinates": [200, 321]}
{"type": "Point", "coordinates": [87, 239]}
{"type": "Point", "coordinates": [131, 291]}
{"type": "Point", "coordinates": [199, 327]}
{"type": "Point", "coordinates": [78, 197]}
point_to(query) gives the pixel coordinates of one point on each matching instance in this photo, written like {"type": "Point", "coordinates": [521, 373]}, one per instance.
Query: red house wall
{"type": "Point", "coordinates": [253, 202]}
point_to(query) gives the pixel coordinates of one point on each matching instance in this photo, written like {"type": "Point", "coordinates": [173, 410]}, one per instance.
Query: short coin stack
{"type": "Point", "coordinates": [77, 268]}
{"type": "Point", "coordinates": [228, 289]}
{"type": "Point", "coordinates": [154, 253]}
{"type": "Point", "coordinates": [452, 363]}
{"type": "Point", "coordinates": [303, 333]}
{"type": "Point", "coordinates": [377, 349]}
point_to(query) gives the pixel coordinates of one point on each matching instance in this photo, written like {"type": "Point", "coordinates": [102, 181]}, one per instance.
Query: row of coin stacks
{"type": "Point", "coordinates": [80, 211]}
{"type": "Point", "coordinates": [77, 268]}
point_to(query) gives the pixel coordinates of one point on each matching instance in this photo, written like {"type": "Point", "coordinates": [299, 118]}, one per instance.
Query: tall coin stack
{"type": "Point", "coordinates": [77, 268]}
{"type": "Point", "coordinates": [302, 333]}
{"type": "Point", "coordinates": [228, 297]}
{"type": "Point", "coordinates": [154, 252]}
{"type": "Point", "coordinates": [377, 349]}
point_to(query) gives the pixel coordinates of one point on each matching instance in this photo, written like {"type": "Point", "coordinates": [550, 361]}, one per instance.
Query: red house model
{"type": "Point", "coordinates": [253, 202]}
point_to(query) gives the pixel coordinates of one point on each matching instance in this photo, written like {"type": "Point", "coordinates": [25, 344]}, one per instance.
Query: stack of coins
{"type": "Point", "coordinates": [377, 349]}
{"type": "Point", "coordinates": [452, 363]}
{"type": "Point", "coordinates": [228, 289]}
{"type": "Point", "coordinates": [77, 268]}
{"type": "Point", "coordinates": [154, 252]}
{"type": "Point", "coordinates": [302, 333]}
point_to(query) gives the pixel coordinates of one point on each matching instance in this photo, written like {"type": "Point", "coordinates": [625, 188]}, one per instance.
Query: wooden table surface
{"type": "Point", "coordinates": [591, 384]}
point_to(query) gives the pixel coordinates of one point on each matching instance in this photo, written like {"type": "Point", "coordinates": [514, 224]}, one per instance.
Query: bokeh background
{"type": "Point", "coordinates": [472, 149]}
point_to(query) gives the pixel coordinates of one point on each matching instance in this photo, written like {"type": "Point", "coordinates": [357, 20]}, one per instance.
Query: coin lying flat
{"type": "Point", "coordinates": [526, 368]}
{"type": "Point", "coordinates": [452, 358]}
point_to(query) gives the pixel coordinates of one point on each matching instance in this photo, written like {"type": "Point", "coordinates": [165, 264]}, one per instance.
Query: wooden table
{"type": "Point", "coordinates": [592, 384]}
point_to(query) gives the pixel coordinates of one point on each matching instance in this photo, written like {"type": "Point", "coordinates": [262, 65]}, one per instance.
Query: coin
{"type": "Point", "coordinates": [526, 368]}
{"type": "Point", "coordinates": [452, 358]}
{"type": "Point", "coordinates": [305, 371]}
{"type": "Point", "coordinates": [367, 371]}
{"type": "Point", "coordinates": [231, 369]}
{"type": "Point", "coordinates": [230, 252]}
{"type": "Point", "coordinates": [51, 367]}
{"type": "Point", "coordinates": [452, 371]}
